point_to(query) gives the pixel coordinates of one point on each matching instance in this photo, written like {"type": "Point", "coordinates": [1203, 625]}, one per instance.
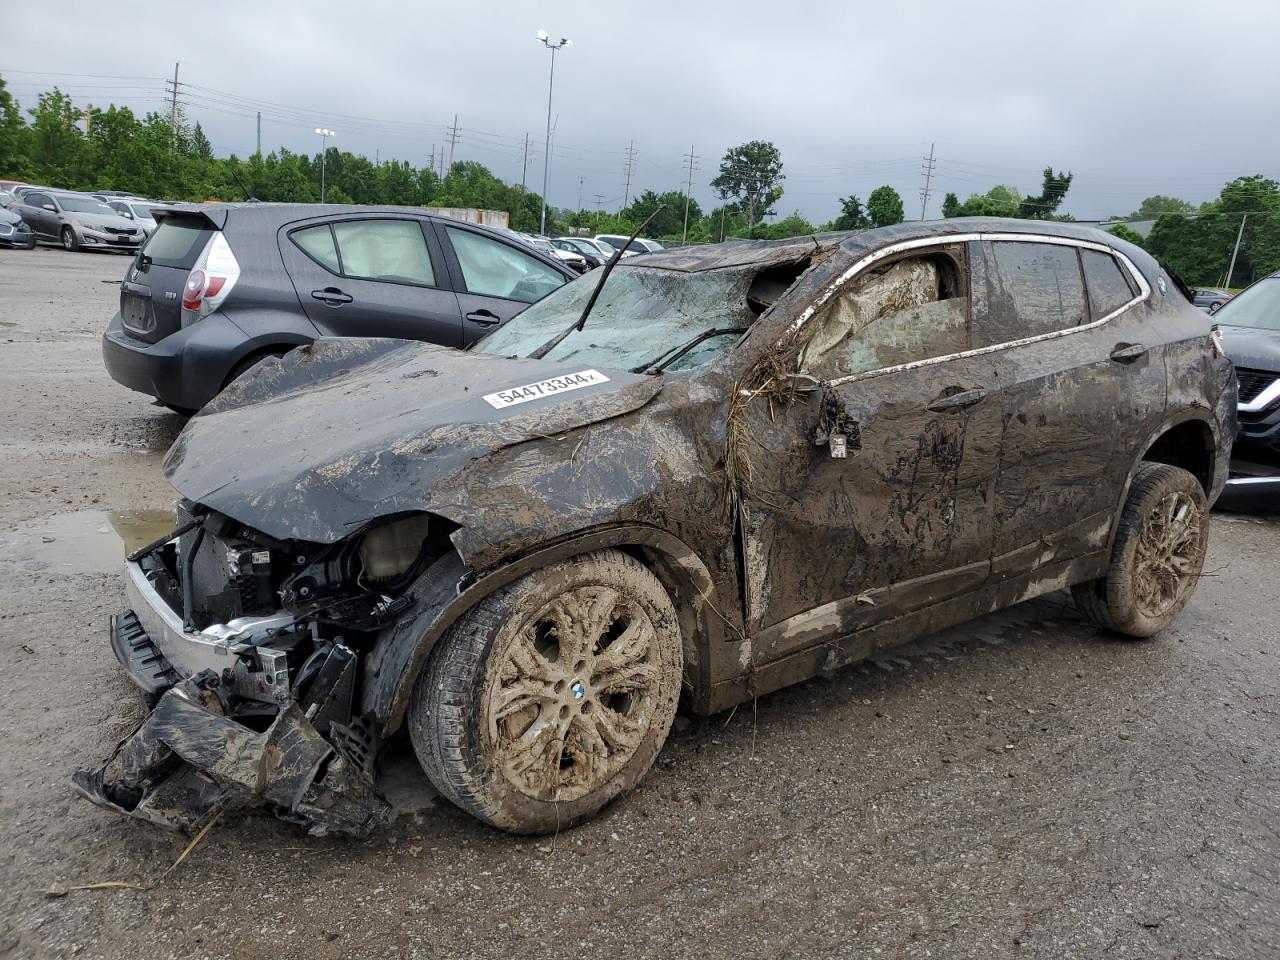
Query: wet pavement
{"type": "Point", "coordinates": [1022, 786]}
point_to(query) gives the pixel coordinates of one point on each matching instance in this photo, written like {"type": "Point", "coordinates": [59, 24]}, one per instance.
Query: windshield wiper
{"type": "Point", "coordinates": [578, 324]}
{"type": "Point", "coordinates": [668, 357]}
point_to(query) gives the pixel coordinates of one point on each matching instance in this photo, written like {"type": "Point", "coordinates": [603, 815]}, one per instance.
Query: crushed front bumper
{"type": "Point", "coordinates": [229, 730]}
{"type": "Point", "coordinates": [191, 759]}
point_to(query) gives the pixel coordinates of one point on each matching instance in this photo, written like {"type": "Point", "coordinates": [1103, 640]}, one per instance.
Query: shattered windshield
{"type": "Point", "coordinates": [642, 311]}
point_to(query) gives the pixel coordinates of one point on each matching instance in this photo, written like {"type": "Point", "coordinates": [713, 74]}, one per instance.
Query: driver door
{"type": "Point", "coordinates": [832, 544]}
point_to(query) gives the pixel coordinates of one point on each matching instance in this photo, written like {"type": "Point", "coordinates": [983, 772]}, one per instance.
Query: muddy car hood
{"type": "Point", "coordinates": [341, 432]}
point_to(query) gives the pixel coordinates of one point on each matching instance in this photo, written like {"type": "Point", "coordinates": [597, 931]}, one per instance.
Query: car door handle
{"type": "Point", "coordinates": [956, 401]}
{"type": "Point", "coordinates": [331, 295]}
{"type": "Point", "coordinates": [1127, 352]}
{"type": "Point", "coordinates": [484, 317]}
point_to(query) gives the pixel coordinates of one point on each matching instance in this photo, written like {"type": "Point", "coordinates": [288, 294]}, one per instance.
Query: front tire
{"type": "Point", "coordinates": [552, 695]}
{"type": "Point", "coordinates": [69, 240]}
{"type": "Point", "coordinates": [1157, 556]}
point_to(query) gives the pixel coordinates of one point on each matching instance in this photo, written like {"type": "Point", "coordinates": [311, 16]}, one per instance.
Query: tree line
{"type": "Point", "coordinates": [59, 144]}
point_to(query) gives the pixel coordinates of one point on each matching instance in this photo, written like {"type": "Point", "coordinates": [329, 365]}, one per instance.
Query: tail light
{"type": "Point", "coordinates": [210, 280]}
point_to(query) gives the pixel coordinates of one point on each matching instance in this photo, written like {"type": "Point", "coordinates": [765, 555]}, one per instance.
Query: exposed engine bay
{"type": "Point", "coordinates": [250, 650]}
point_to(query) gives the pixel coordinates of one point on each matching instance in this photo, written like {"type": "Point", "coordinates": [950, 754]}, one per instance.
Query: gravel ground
{"type": "Point", "coordinates": [1019, 787]}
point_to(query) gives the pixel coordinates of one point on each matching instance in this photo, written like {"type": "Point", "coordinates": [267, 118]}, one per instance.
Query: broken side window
{"type": "Point", "coordinates": [913, 309]}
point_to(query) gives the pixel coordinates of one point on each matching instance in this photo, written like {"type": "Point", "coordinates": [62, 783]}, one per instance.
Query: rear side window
{"type": "Point", "coordinates": [389, 250]}
{"type": "Point", "coordinates": [1030, 289]}
{"type": "Point", "coordinates": [1109, 290]}
{"type": "Point", "coordinates": [494, 269]}
{"type": "Point", "coordinates": [178, 242]}
{"type": "Point", "coordinates": [317, 243]}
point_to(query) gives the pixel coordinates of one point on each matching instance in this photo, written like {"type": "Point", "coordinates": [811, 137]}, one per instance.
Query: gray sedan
{"type": "Point", "coordinates": [139, 211]}
{"type": "Point", "coordinates": [76, 220]}
{"type": "Point", "coordinates": [1211, 298]}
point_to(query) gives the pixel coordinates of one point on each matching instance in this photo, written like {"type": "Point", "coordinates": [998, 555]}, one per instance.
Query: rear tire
{"type": "Point", "coordinates": [552, 695]}
{"type": "Point", "coordinates": [69, 240]}
{"type": "Point", "coordinates": [1157, 556]}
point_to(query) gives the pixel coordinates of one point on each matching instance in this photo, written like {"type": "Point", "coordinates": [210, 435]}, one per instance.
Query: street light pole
{"type": "Point", "coordinates": [325, 134]}
{"type": "Point", "coordinates": [544, 38]}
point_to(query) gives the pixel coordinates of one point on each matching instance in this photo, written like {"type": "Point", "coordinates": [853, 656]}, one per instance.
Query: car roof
{"type": "Point", "coordinates": [743, 253]}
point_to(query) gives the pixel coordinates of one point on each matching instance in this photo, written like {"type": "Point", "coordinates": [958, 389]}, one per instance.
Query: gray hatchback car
{"type": "Point", "coordinates": [218, 288]}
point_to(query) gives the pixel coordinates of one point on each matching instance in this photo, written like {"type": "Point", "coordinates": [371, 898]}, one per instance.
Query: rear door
{"type": "Point", "coordinates": [372, 276]}
{"type": "Point", "coordinates": [42, 221]}
{"type": "Point", "coordinates": [1079, 390]}
{"type": "Point", "coordinates": [494, 279]}
{"type": "Point", "coordinates": [151, 293]}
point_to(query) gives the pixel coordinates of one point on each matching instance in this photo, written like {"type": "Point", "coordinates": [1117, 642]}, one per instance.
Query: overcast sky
{"type": "Point", "coordinates": [1135, 98]}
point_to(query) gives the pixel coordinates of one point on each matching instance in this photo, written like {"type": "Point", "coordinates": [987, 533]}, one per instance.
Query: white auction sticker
{"type": "Point", "coordinates": [544, 388]}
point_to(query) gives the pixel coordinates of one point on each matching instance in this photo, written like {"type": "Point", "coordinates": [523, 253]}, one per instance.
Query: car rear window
{"type": "Point", "coordinates": [178, 242]}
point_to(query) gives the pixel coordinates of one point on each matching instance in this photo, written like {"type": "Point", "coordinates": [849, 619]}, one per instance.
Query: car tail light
{"type": "Point", "coordinates": [210, 280]}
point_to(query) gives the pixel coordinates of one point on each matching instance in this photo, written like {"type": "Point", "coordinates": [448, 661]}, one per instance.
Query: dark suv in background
{"type": "Point", "coordinates": [1250, 325]}
{"type": "Point", "coordinates": [215, 289]}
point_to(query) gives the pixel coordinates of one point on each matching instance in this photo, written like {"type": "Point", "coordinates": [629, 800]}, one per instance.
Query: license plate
{"type": "Point", "coordinates": [136, 310]}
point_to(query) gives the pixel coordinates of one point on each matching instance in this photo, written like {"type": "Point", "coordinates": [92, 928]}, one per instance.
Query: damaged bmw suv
{"type": "Point", "coordinates": [718, 472]}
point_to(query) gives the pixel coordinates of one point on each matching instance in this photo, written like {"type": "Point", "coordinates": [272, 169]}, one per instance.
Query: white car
{"type": "Point", "coordinates": [137, 210]}
{"type": "Point", "coordinates": [637, 246]}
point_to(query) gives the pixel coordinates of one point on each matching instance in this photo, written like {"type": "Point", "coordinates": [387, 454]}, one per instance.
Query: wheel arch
{"type": "Point", "coordinates": [448, 589]}
{"type": "Point", "coordinates": [1190, 440]}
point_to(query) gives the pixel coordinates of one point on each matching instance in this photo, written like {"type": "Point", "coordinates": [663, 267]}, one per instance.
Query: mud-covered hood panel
{"type": "Point", "coordinates": [343, 431]}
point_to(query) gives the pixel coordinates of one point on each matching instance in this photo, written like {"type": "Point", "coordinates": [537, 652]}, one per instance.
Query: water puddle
{"type": "Point", "coordinates": [85, 541]}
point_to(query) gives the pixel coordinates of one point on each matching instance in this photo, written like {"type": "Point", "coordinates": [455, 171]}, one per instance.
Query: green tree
{"type": "Point", "coordinates": [1045, 205]}
{"type": "Point", "coordinates": [853, 216]}
{"type": "Point", "coordinates": [794, 225]}
{"type": "Point", "coordinates": [884, 206]}
{"type": "Point", "coordinates": [1127, 234]}
{"type": "Point", "coordinates": [56, 141]}
{"type": "Point", "coordinates": [1154, 207]}
{"type": "Point", "coordinates": [670, 221]}
{"type": "Point", "coordinates": [198, 144]}
{"type": "Point", "coordinates": [751, 175]}
{"type": "Point", "coordinates": [14, 146]}
{"type": "Point", "coordinates": [950, 206]}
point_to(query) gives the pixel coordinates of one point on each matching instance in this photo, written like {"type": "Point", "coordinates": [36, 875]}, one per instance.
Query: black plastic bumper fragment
{"type": "Point", "coordinates": [140, 657]}
{"type": "Point", "coordinates": [191, 758]}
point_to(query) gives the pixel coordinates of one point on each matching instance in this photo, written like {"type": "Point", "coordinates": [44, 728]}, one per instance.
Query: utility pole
{"type": "Point", "coordinates": [928, 177]}
{"type": "Point", "coordinates": [431, 164]}
{"type": "Point", "coordinates": [599, 204]}
{"type": "Point", "coordinates": [1232, 269]}
{"type": "Point", "coordinates": [581, 181]}
{"type": "Point", "coordinates": [631, 160]}
{"type": "Point", "coordinates": [88, 120]}
{"type": "Point", "coordinates": [688, 189]}
{"type": "Point", "coordinates": [377, 156]}
{"type": "Point", "coordinates": [524, 165]}
{"type": "Point", "coordinates": [453, 139]}
{"type": "Point", "coordinates": [173, 107]}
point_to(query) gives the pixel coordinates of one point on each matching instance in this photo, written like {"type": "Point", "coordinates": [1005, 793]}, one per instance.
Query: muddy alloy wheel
{"type": "Point", "coordinates": [551, 696]}
{"type": "Point", "coordinates": [69, 241]}
{"type": "Point", "coordinates": [1157, 557]}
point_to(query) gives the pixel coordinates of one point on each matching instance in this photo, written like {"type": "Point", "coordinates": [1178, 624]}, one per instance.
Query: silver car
{"type": "Point", "coordinates": [137, 210]}
{"type": "Point", "coordinates": [76, 220]}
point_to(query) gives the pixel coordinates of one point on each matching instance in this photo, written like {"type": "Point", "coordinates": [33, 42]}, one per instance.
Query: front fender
{"type": "Point", "coordinates": [446, 591]}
